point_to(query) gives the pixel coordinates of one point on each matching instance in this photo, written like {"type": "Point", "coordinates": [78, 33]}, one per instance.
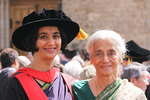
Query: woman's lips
{"type": "Point", "coordinates": [50, 49]}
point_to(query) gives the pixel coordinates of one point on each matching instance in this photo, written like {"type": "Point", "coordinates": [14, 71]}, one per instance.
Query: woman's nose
{"type": "Point", "coordinates": [105, 58]}
{"type": "Point", "coordinates": [50, 40]}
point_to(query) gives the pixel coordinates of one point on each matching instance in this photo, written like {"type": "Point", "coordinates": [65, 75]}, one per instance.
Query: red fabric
{"type": "Point", "coordinates": [43, 76]}
{"type": "Point", "coordinates": [32, 89]}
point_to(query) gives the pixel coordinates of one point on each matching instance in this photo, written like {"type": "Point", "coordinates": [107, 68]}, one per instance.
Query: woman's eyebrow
{"type": "Point", "coordinates": [98, 50]}
{"type": "Point", "coordinates": [112, 51]}
{"type": "Point", "coordinates": [42, 33]}
{"type": "Point", "coordinates": [47, 33]}
{"type": "Point", "coordinates": [56, 32]}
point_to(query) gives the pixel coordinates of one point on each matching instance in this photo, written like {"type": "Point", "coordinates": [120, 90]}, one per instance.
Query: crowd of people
{"type": "Point", "coordinates": [109, 68]}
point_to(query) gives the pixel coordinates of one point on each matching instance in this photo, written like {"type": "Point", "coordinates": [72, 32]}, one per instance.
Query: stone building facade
{"type": "Point", "coordinates": [130, 18]}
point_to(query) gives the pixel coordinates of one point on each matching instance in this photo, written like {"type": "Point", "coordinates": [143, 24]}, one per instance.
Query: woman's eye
{"type": "Point", "coordinates": [111, 53]}
{"type": "Point", "coordinates": [98, 54]}
{"type": "Point", "coordinates": [56, 36]}
{"type": "Point", "coordinates": [43, 37]}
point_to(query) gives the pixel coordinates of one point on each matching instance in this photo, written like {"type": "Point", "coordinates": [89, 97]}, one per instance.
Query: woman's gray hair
{"type": "Point", "coordinates": [88, 72]}
{"type": "Point", "coordinates": [133, 70]}
{"type": "Point", "coordinates": [102, 34]}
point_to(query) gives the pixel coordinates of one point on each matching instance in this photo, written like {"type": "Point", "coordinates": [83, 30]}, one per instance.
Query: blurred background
{"type": "Point", "coordinates": [130, 18]}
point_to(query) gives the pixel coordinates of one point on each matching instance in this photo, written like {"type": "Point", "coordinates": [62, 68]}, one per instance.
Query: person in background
{"type": "Point", "coordinates": [147, 93]}
{"type": "Point", "coordinates": [45, 34]}
{"type": "Point", "coordinates": [106, 49]}
{"type": "Point", "coordinates": [79, 59]}
{"type": "Point", "coordinates": [57, 63]}
{"type": "Point", "coordinates": [56, 60]}
{"type": "Point", "coordinates": [30, 56]}
{"type": "Point", "coordinates": [85, 56]}
{"type": "Point", "coordinates": [23, 61]}
{"type": "Point", "coordinates": [0, 63]}
{"type": "Point", "coordinates": [10, 65]}
{"type": "Point", "coordinates": [68, 55]}
{"type": "Point", "coordinates": [88, 72]}
{"type": "Point", "coordinates": [73, 68]}
{"type": "Point", "coordinates": [0, 60]}
{"type": "Point", "coordinates": [146, 63]}
{"type": "Point", "coordinates": [136, 73]}
{"type": "Point", "coordinates": [135, 53]}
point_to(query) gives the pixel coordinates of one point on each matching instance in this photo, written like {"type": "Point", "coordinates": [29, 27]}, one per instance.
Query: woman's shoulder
{"type": "Point", "coordinates": [128, 91]}
{"type": "Point", "coordinates": [130, 87]}
{"type": "Point", "coordinates": [81, 89]}
{"type": "Point", "coordinates": [81, 86]}
{"type": "Point", "coordinates": [80, 83]}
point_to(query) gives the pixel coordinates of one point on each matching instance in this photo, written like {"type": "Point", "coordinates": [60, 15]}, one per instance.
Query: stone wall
{"type": "Point", "coordinates": [4, 24]}
{"type": "Point", "coordinates": [130, 18]}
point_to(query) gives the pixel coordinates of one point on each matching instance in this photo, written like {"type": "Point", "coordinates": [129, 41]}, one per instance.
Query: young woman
{"type": "Point", "coordinates": [44, 34]}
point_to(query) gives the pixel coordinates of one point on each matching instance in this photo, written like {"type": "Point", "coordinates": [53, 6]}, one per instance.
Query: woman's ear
{"type": "Point", "coordinates": [133, 80]}
{"type": "Point", "coordinates": [121, 58]}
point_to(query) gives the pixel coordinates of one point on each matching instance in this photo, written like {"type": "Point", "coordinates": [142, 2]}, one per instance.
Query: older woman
{"type": "Point", "coordinates": [44, 34]}
{"type": "Point", "coordinates": [106, 49]}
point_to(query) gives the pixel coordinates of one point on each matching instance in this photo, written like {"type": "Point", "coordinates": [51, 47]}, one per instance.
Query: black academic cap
{"type": "Point", "coordinates": [136, 53]}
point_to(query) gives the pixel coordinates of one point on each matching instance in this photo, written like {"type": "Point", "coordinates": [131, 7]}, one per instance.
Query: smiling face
{"type": "Point", "coordinates": [48, 42]}
{"type": "Point", "coordinates": [105, 56]}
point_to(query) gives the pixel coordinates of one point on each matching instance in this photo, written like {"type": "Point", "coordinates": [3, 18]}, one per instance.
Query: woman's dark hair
{"type": "Point", "coordinates": [30, 40]}
{"type": "Point", "coordinates": [63, 38]}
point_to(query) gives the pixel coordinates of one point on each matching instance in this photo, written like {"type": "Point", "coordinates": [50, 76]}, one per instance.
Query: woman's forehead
{"type": "Point", "coordinates": [48, 27]}
{"type": "Point", "coordinates": [104, 44]}
{"type": "Point", "coordinates": [107, 42]}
